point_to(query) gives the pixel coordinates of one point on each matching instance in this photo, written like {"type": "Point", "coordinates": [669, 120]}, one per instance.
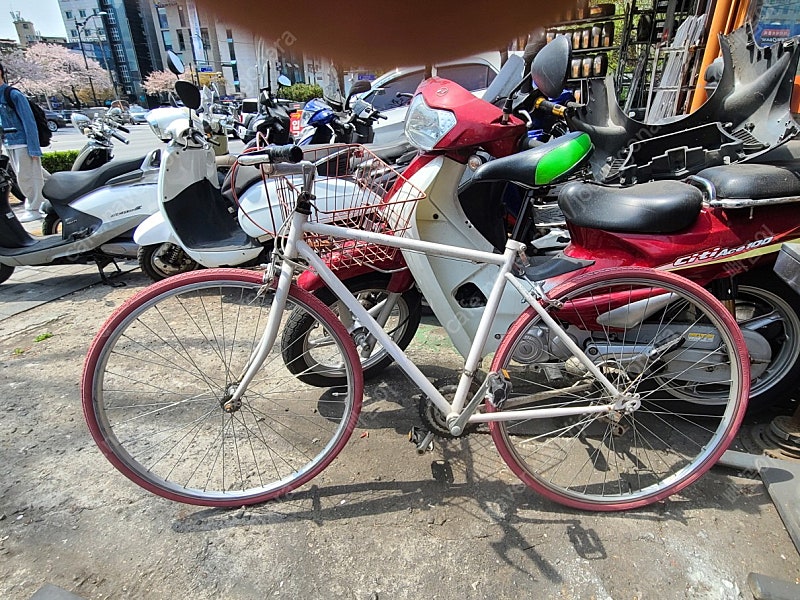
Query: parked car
{"type": "Point", "coordinates": [137, 114]}
{"type": "Point", "coordinates": [54, 120]}
{"type": "Point", "coordinates": [391, 92]}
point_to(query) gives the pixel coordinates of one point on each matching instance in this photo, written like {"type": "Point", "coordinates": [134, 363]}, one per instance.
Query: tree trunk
{"type": "Point", "coordinates": [75, 96]}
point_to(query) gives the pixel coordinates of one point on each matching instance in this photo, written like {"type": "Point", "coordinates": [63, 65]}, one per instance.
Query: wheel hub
{"type": "Point", "coordinates": [228, 404]}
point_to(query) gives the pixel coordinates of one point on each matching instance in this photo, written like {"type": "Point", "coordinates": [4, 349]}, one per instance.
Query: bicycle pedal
{"type": "Point", "coordinates": [422, 439]}
{"type": "Point", "coordinates": [499, 387]}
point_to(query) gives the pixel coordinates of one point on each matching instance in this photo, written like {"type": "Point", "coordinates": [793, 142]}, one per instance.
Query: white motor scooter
{"type": "Point", "coordinates": [201, 225]}
{"type": "Point", "coordinates": [90, 215]}
{"type": "Point", "coordinates": [196, 221]}
{"type": "Point", "coordinates": [98, 209]}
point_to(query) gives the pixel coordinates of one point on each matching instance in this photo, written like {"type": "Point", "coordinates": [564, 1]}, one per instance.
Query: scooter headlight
{"type": "Point", "coordinates": [426, 126]}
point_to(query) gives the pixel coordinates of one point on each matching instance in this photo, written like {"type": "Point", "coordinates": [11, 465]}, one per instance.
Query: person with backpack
{"type": "Point", "coordinates": [23, 146]}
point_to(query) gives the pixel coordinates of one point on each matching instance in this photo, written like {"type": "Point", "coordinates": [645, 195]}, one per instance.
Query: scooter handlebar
{"type": "Point", "coordinates": [551, 107]}
{"type": "Point", "coordinates": [117, 136]}
{"type": "Point", "coordinates": [123, 129]}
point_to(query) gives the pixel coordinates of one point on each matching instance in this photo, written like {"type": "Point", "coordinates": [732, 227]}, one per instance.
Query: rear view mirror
{"type": "Point", "coordinates": [174, 63]}
{"type": "Point", "coordinates": [551, 65]}
{"type": "Point", "coordinates": [284, 81]}
{"type": "Point", "coordinates": [188, 93]}
{"type": "Point", "coordinates": [359, 87]}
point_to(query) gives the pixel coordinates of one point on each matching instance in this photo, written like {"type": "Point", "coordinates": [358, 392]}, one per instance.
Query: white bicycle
{"type": "Point", "coordinates": [186, 388]}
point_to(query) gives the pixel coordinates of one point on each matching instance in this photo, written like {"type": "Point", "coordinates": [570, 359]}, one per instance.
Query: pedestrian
{"type": "Point", "coordinates": [23, 148]}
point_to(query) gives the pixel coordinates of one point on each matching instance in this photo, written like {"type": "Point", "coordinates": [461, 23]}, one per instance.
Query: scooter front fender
{"type": "Point", "coordinates": [154, 230]}
{"type": "Point", "coordinates": [352, 264]}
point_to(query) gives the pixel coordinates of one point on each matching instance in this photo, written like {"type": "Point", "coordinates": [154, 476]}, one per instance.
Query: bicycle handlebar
{"type": "Point", "coordinates": [273, 154]}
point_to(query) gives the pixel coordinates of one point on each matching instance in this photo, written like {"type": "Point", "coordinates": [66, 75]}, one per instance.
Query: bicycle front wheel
{"type": "Point", "coordinates": [158, 379]}
{"type": "Point", "coordinates": [649, 333]}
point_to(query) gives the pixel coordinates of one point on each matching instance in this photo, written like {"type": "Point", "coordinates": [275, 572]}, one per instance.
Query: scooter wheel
{"type": "Point", "coordinates": [51, 224]}
{"type": "Point", "coordinates": [304, 340]}
{"type": "Point", "coordinates": [160, 261]}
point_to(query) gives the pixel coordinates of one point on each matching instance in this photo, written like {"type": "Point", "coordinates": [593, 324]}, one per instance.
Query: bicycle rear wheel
{"type": "Point", "coordinates": [159, 373]}
{"type": "Point", "coordinates": [649, 332]}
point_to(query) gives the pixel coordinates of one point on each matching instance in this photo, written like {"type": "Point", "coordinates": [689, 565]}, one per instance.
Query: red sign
{"type": "Point", "coordinates": [294, 123]}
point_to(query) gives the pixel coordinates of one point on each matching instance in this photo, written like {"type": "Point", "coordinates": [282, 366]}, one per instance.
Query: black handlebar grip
{"type": "Point", "coordinates": [119, 137]}
{"type": "Point", "coordinates": [555, 109]}
{"type": "Point", "coordinates": [123, 129]}
{"type": "Point", "coordinates": [288, 153]}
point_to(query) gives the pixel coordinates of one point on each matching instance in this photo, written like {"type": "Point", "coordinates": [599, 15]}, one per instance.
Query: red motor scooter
{"type": "Point", "coordinates": [723, 228]}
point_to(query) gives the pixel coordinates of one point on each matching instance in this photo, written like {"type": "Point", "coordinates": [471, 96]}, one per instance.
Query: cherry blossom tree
{"type": "Point", "coordinates": [19, 68]}
{"type": "Point", "coordinates": [160, 81]}
{"type": "Point", "coordinates": [50, 69]}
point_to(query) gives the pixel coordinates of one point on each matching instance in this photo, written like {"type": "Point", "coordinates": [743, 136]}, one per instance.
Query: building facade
{"type": "Point", "coordinates": [116, 34]}
{"type": "Point", "coordinates": [131, 38]}
{"type": "Point", "coordinates": [247, 61]}
{"type": "Point", "coordinates": [28, 35]}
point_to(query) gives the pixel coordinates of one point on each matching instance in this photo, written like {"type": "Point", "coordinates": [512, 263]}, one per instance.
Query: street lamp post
{"type": "Point", "coordinates": [82, 25]}
{"type": "Point", "coordinates": [103, 13]}
{"type": "Point", "coordinates": [78, 27]}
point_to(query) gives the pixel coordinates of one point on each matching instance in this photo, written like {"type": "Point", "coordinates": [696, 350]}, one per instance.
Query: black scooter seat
{"type": "Point", "coordinates": [751, 181]}
{"type": "Point", "coordinates": [654, 207]}
{"type": "Point", "coordinates": [64, 187]}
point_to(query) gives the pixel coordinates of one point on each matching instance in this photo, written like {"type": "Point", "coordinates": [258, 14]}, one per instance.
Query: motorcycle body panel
{"type": "Point", "coordinates": [454, 289]}
{"type": "Point", "coordinates": [261, 215]}
{"type": "Point", "coordinates": [154, 230]}
{"type": "Point", "coordinates": [479, 123]}
{"type": "Point", "coordinates": [131, 197]}
{"type": "Point", "coordinates": [93, 155]}
{"type": "Point", "coordinates": [53, 249]}
{"type": "Point", "coordinates": [188, 189]}
{"type": "Point", "coordinates": [753, 96]}
{"type": "Point", "coordinates": [720, 243]}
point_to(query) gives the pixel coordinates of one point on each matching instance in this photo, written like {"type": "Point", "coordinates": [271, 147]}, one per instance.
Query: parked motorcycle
{"type": "Point", "coordinates": [99, 148]}
{"type": "Point", "coordinates": [98, 151]}
{"type": "Point", "coordinates": [722, 229]}
{"type": "Point", "coordinates": [99, 210]}
{"type": "Point", "coordinates": [272, 121]}
{"type": "Point", "coordinates": [322, 124]}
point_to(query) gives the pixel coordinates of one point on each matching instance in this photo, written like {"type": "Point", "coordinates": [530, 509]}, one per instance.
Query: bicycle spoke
{"type": "Point", "coordinates": [621, 459]}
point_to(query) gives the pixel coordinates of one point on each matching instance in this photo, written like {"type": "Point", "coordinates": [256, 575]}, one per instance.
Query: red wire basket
{"type": "Point", "coordinates": [352, 188]}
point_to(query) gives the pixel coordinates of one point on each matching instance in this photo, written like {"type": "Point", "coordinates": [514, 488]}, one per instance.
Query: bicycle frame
{"type": "Point", "coordinates": [459, 412]}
